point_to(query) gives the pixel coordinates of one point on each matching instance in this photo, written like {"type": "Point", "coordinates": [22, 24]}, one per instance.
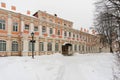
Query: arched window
{"type": "Point", "coordinates": [14, 46]}
{"type": "Point", "coordinates": [2, 45]}
{"type": "Point", "coordinates": [56, 47]}
{"type": "Point", "coordinates": [49, 46]}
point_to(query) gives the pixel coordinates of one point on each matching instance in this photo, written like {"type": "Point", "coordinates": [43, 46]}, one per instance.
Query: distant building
{"type": "Point", "coordinates": [50, 33]}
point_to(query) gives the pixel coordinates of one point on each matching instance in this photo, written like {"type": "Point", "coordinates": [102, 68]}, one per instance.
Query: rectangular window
{"type": "Point", "coordinates": [43, 29]}
{"type": "Point", "coordinates": [83, 48]}
{"type": "Point", "coordinates": [41, 46]}
{"type": "Point", "coordinates": [26, 27]}
{"type": "Point", "coordinates": [69, 34]}
{"type": "Point", "coordinates": [15, 27]}
{"type": "Point", "coordinates": [75, 47]}
{"type": "Point", "coordinates": [49, 46]}
{"type": "Point", "coordinates": [56, 47]}
{"type": "Point", "coordinates": [65, 24]}
{"type": "Point", "coordinates": [65, 33]}
{"type": "Point", "coordinates": [35, 28]}
{"type": "Point", "coordinates": [73, 35]}
{"type": "Point", "coordinates": [2, 45]}
{"type": "Point", "coordinates": [79, 47]}
{"type": "Point", "coordinates": [2, 24]}
{"type": "Point", "coordinates": [51, 31]}
{"type": "Point", "coordinates": [77, 36]}
{"type": "Point", "coordinates": [58, 32]}
{"type": "Point", "coordinates": [31, 46]}
{"type": "Point", "coordinates": [14, 46]}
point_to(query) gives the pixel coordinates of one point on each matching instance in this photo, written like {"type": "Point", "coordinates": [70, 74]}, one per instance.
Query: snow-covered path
{"type": "Point", "coordinates": [58, 67]}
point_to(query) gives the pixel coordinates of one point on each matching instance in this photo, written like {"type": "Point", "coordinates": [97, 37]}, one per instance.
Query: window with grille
{"type": "Point", "coordinates": [2, 45]}
{"type": "Point", "coordinates": [2, 24]}
{"type": "Point", "coordinates": [14, 46]}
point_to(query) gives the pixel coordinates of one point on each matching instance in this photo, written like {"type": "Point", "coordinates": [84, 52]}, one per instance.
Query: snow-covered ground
{"type": "Point", "coordinates": [58, 67]}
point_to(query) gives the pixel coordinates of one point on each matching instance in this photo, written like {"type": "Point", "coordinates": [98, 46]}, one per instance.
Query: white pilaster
{"type": "Point", "coordinates": [9, 28]}
{"type": "Point", "coordinates": [45, 46]}
{"type": "Point", "coordinates": [25, 48]}
{"type": "Point", "coordinates": [53, 46]}
{"type": "Point", "coordinates": [37, 46]}
{"type": "Point", "coordinates": [22, 26]}
{"type": "Point", "coordinates": [31, 27]}
{"type": "Point", "coordinates": [8, 47]}
{"type": "Point", "coordinates": [40, 30]}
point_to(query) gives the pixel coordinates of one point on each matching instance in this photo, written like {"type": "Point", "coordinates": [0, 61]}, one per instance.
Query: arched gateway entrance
{"type": "Point", "coordinates": [67, 49]}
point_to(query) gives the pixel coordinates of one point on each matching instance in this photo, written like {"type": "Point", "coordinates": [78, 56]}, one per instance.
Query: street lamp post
{"type": "Point", "coordinates": [32, 41]}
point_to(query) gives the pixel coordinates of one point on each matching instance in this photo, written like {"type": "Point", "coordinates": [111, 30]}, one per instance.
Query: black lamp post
{"type": "Point", "coordinates": [33, 41]}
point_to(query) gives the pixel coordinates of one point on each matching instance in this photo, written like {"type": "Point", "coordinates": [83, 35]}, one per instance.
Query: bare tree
{"type": "Point", "coordinates": [105, 22]}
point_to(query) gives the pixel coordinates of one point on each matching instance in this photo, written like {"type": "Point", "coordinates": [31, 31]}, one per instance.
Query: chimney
{"type": "Point", "coordinates": [3, 5]}
{"type": "Point", "coordinates": [55, 15]}
{"type": "Point", "coordinates": [81, 29]}
{"type": "Point", "coordinates": [28, 12]}
{"type": "Point", "coordinates": [84, 30]}
{"type": "Point", "coordinates": [13, 8]}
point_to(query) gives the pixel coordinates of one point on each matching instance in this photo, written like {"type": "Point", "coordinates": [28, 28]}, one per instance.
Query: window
{"type": "Point", "coordinates": [51, 31]}
{"type": "Point", "coordinates": [26, 27]}
{"type": "Point", "coordinates": [58, 22]}
{"type": "Point", "coordinates": [58, 32]}
{"type": "Point", "coordinates": [41, 46]}
{"type": "Point", "coordinates": [35, 28]}
{"type": "Point", "coordinates": [73, 35]}
{"type": "Point", "coordinates": [2, 24]}
{"type": "Point", "coordinates": [43, 29]}
{"type": "Point", "coordinates": [69, 34]}
{"type": "Point", "coordinates": [65, 33]}
{"type": "Point", "coordinates": [43, 17]}
{"type": "Point", "coordinates": [2, 45]}
{"type": "Point", "coordinates": [83, 48]}
{"type": "Point", "coordinates": [79, 47]}
{"type": "Point", "coordinates": [51, 20]}
{"type": "Point", "coordinates": [69, 25]}
{"type": "Point", "coordinates": [49, 46]}
{"type": "Point", "coordinates": [75, 47]}
{"type": "Point", "coordinates": [56, 47]}
{"type": "Point", "coordinates": [14, 46]}
{"type": "Point", "coordinates": [30, 46]}
{"type": "Point", "coordinates": [77, 36]}
{"type": "Point", "coordinates": [15, 27]}
{"type": "Point", "coordinates": [65, 25]}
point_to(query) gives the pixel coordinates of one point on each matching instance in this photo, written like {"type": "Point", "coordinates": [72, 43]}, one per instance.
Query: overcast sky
{"type": "Point", "coordinates": [80, 12]}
